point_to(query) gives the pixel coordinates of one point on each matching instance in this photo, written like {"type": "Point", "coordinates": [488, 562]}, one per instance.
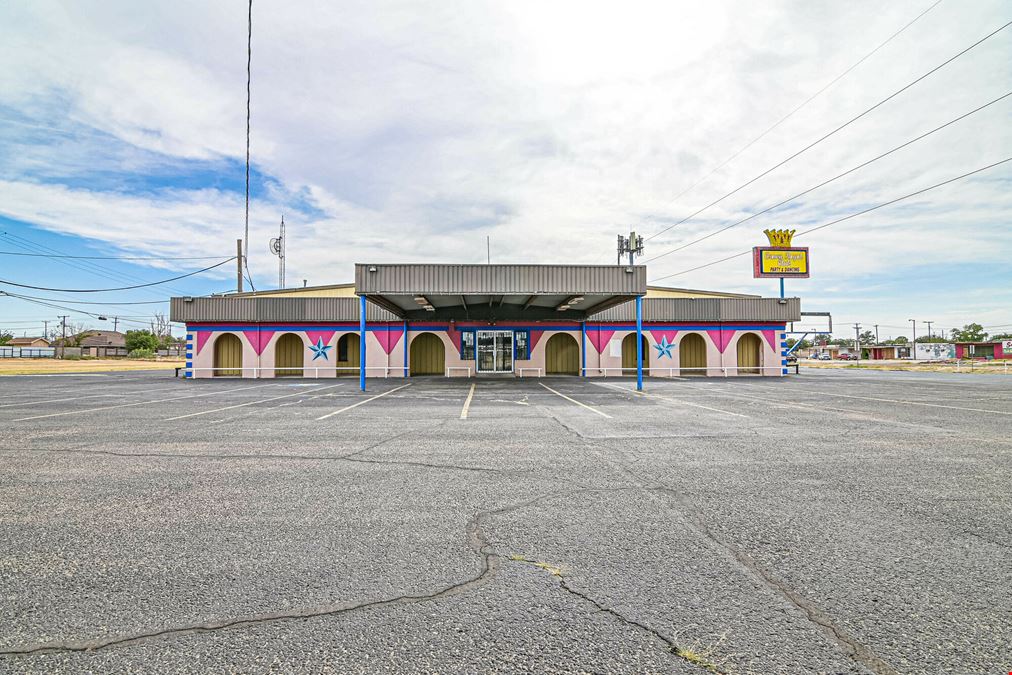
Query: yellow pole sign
{"type": "Point", "coordinates": [780, 259]}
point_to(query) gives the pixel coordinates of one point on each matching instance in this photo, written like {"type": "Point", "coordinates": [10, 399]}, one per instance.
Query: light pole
{"type": "Point", "coordinates": [913, 342]}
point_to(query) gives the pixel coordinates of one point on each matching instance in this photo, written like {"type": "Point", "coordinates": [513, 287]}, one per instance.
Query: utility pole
{"type": "Point", "coordinates": [115, 324]}
{"type": "Point", "coordinates": [238, 265]}
{"type": "Point", "coordinates": [857, 341]}
{"type": "Point", "coordinates": [913, 342]}
{"type": "Point", "coordinates": [876, 334]}
{"type": "Point", "coordinates": [633, 246]}
{"type": "Point", "coordinates": [929, 327]}
{"type": "Point", "coordinates": [63, 342]}
{"type": "Point", "coordinates": [45, 329]}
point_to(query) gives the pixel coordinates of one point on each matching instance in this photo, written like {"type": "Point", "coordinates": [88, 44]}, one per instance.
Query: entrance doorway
{"type": "Point", "coordinates": [227, 356]}
{"type": "Point", "coordinates": [288, 356]}
{"type": "Point", "coordinates": [629, 354]}
{"type": "Point", "coordinates": [495, 351]}
{"type": "Point", "coordinates": [428, 356]}
{"type": "Point", "coordinates": [749, 350]}
{"type": "Point", "coordinates": [562, 355]}
{"type": "Point", "coordinates": [692, 355]}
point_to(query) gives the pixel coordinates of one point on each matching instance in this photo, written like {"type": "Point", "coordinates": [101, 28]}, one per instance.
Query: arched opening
{"type": "Point", "coordinates": [692, 355]}
{"type": "Point", "coordinates": [562, 355]}
{"type": "Point", "coordinates": [227, 356]}
{"type": "Point", "coordinates": [347, 355]}
{"type": "Point", "coordinates": [629, 354]}
{"type": "Point", "coordinates": [428, 355]}
{"type": "Point", "coordinates": [749, 354]}
{"type": "Point", "coordinates": [288, 356]}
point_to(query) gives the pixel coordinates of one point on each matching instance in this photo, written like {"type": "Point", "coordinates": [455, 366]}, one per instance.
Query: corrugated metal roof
{"type": "Point", "coordinates": [707, 309]}
{"type": "Point", "coordinates": [499, 279]}
{"type": "Point", "coordinates": [272, 309]}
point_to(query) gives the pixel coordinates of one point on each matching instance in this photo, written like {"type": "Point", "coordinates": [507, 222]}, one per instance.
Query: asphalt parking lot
{"type": "Point", "coordinates": [836, 521]}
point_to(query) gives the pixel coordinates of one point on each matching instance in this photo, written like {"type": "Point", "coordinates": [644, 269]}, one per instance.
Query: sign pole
{"type": "Point", "coordinates": [781, 287]}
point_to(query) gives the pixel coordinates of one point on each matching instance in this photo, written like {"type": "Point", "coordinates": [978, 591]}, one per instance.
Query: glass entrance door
{"type": "Point", "coordinates": [495, 351]}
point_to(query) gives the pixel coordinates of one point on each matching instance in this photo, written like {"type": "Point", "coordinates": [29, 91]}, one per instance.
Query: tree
{"type": "Point", "coordinates": [141, 339]}
{"type": "Point", "coordinates": [867, 338]}
{"type": "Point", "coordinates": [805, 344]}
{"type": "Point", "coordinates": [76, 334]}
{"type": "Point", "coordinates": [5, 338]}
{"type": "Point", "coordinates": [1002, 336]}
{"type": "Point", "coordinates": [971, 332]}
{"type": "Point", "coordinates": [901, 340]}
{"type": "Point", "coordinates": [933, 338]}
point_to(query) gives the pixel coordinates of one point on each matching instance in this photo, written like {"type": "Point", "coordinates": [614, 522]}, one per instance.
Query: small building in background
{"type": "Point", "coordinates": [28, 342]}
{"type": "Point", "coordinates": [885, 352]}
{"type": "Point", "coordinates": [995, 349]}
{"type": "Point", "coordinates": [934, 351]}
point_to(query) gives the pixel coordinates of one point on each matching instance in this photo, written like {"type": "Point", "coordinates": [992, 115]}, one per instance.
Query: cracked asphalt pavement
{"type": "Point", "coordinates": [836, 521]}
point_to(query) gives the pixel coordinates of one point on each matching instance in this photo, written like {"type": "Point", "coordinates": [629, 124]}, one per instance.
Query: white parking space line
{"type": "Point", "coordinates": [668, 398]}
{"type": "Point", "coordinates": [57, 400]}
{"type": "Point", "coordinates": [127, 405]}
{"type": "Point", "coordinates": [573, 400]}
{"type": "Point", "coordinates": [894, 400]}
{"type": "Point", "coordinates": [243, 405]}
{"type": "Point", "coordinates": [355, 405]}
{"type": "Point", "coordinates": [467, 403]}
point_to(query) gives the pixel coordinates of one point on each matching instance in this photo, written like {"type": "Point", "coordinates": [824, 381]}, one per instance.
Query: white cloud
{"type": "Point", "coordinates": [417, 129]}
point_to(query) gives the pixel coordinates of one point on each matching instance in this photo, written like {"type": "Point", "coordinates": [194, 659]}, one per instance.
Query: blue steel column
{"type": "Point", "coordinates": [404, 344]}
{"type": "Point", "coordinates": [583, 349]}
{"type": "Point", "coordinates": [781, 287]}
{"type": "Point", "coordinates": [639, 343]}
{"type": "Point", "coordinates": [361, 342]}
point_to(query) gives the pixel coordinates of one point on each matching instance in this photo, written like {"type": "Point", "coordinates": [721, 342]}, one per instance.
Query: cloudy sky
{"type": "Point", "coordinates": [409, 131]}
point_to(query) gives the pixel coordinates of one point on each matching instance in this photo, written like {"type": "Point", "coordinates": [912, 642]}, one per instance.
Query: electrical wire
{"type": "Point", "coordinates": [834, 131]}
{"type": "Point", "coordinates": [124, 288]}
{"type": "Point", "coordinates": [827, 182]}
{"type": "Point", "coordinates": [106, 257]}
{"type": "Point", "coordinates": [85, 302]}
{"type": "Point", "coordinates": [803, 104]}
{"type": "Point", "coordinates": [848, 217]}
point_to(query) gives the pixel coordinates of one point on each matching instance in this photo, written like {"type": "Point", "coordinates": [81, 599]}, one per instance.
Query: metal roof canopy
{"type": "Point", "coordinates": [498, 292]}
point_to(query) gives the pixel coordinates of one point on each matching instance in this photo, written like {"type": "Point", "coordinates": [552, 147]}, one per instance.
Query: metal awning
{"type": "Point", "coordinates": [498, 292]}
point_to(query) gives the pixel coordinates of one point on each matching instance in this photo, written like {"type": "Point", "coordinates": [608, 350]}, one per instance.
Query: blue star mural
{"type": "Point", "coordinates": [320, 349]}
{"type": "Point", "coordinates": [664, 347]}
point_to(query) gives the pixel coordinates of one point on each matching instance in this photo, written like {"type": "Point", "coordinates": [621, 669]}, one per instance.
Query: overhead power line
{"type": "Point", "coordinates": [107, 257]}
{"type": "Point", "coordinates": [803, 104]}
{"type": "Point", "coordinates": [834, 131]}
{"type": "Point", "coordinates": [840, 220]}
{"type": "Point", "coordinates": [830, 180]}
{"type": "Point", "coordinates": [85, 302]}
{"type": "Point", "coordinates": [123, 288]}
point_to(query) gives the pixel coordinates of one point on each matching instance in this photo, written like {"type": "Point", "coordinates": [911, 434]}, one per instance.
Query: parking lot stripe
{"type": "Point", "coordinates": [243, 405]}
{"type": "Point", "coordinates": [893, 400]}
{"type": "Point", "coordinates": [127, 405]}
{"type": "Point", "coordinates": [57, 400]}
{"type": "Point", "coordinates": [467, 402]}
{"type": "Point", "coordinates": [672, 400]}
{"type": "Point", "coordinates": [573, 400]}
{"type": "Point", "coordinates": [355, 405]}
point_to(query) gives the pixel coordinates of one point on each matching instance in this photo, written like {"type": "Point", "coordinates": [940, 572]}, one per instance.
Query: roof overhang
{"type": "Point", "coordinates": [498, 292]}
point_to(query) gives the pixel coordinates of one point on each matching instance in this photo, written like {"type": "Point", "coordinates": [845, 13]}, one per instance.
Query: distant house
{"type": "Point", "coordinates": [885, 352]}
{"type": "Point", "coordinates": [28, 342]}
{"type": "Point", "coordinates": [97, 338]}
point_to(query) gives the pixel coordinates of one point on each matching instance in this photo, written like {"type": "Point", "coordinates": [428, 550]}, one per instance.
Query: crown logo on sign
{"type": "Point", "coordinates": [780, 238]}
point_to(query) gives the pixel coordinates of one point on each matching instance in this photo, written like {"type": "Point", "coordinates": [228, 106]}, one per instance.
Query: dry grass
{"type": "Point", "coordinates": [60, 366]}
{"type": "Point", "coordinates": [982, 367]}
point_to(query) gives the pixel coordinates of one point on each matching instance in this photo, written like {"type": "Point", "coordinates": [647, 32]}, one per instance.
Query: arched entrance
{"type": "Point", "coordinates": [347, 361]}
{"type": "Point", "coordinates": [749, 354]}
{"type": "Point", "coordinates": [227, 356]}
{"type": "Point", "coordinates": [692, 355]}
{"type": "Point", "coordinates": [288, 356]}
{"type": "Point", "coordinates": [562, 355]}
{"type": "Point", "coordinates": [428, 355]}
{"type": "Point", "coordinates": [629, 354]}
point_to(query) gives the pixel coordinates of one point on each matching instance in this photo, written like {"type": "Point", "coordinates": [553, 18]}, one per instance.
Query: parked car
{"type": "Point", "coordinates": [824, 357]}
{"type": "Point", "coordinates": [847, 357]}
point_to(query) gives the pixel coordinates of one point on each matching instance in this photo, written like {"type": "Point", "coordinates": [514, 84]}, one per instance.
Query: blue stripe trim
{"type": "Point", "coordinates": [785, 371]}
{"type": "Point", "coordinates": [189, 355]}
{"type": "Point", "coordinates": [187, 374]}
{"type": "Point", "coordinates": [784, 362]}
{"type": "Point", "coordinates": [189, 336]}
{"type": "Point", "coordinates": [189, 364]}
{"type": "Point", "coordinates": [784, 344]}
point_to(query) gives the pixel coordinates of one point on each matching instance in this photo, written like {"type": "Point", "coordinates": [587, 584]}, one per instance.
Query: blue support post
{"type": "Point", "coordinates": [781, 287]}
{"type": "Point", "coordinates": [361, 342]}
{"type": "Point", "coordinates": [583, 349]}
{"type": "Point", "coordinates": [639, 343]}
{"type": "Point", "coordinates": [404, 344]}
